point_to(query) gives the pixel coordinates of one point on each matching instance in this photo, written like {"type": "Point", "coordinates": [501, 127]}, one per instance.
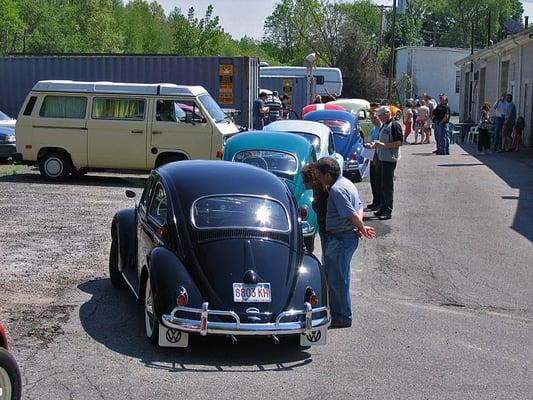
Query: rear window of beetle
{"type": "Point", "coordinates": [237, 211]}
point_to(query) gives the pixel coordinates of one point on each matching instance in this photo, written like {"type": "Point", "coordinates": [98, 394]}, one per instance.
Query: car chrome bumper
{"type": "Point", "coordinates": [203, 326]}
{"type": "Point", "coordinates": [307, 229]}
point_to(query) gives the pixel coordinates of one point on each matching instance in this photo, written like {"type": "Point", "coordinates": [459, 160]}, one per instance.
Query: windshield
{"type": "Point", "coordinates": [213, 108]}
{"type": "Point", "coordinates": [313, 139]}
{"type": "Point", "coordinates": [4, 117]}
{"type": "Point", "coordinates": [276, 162]}
{"type": "Point", "coordinates": [237, 211]}
{"type": "Point", "coordinates": [337, 126]}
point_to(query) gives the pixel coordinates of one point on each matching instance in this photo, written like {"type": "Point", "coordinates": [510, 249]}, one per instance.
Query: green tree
{"type": "Point", "coordinates": [11, 26]}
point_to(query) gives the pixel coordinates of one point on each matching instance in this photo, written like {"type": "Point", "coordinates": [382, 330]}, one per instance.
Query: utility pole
{"type": "Point", "coordinates": [392, 51]}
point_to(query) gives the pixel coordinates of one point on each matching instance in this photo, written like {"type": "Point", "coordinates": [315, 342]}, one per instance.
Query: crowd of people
{"type": "Point", "coordinates": [502, 131]}
{"type": "Point", "coordinates": [268, 108]}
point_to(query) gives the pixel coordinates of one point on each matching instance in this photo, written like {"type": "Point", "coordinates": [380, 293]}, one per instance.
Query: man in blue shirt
{"type": "Point", "coordinates": [259, 110]}
{"type": "Point", "coordinates": [344, 225]}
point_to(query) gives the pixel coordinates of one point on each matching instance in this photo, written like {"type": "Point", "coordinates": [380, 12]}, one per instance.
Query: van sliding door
{"type": "Point", "coordinates": [117, 130]}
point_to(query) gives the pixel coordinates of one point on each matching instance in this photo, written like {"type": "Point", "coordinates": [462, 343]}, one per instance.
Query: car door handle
{"type": "Point", "coordinates": [137, 131]}
{"type": "Point", "coordinates": [157, 132]}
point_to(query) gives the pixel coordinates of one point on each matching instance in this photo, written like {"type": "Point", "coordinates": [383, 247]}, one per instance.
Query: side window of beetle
{"type": "Point", "coordinates": [143, 203]}
{"type": "Point", "coordinates": [158, 206]}
{"type": "Point", "coordinates": [331, 145]}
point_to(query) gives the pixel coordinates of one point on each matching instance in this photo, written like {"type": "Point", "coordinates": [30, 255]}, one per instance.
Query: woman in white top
{"type": "Point", "coordinates": [421, 121]}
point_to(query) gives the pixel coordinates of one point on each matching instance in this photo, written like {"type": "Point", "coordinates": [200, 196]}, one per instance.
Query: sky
{"type": "Point", "coordinates": [247, 17]}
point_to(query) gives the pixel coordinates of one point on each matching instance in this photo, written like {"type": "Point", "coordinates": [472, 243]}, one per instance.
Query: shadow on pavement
{"type": "Point", "coordinates": [87, 180]}
{"type": "Point", "coordinates": [516, 169]}
{"type": "Point", "coordinates": [460, 165]}
{"type": "Point", "coordinates": [114, 318]}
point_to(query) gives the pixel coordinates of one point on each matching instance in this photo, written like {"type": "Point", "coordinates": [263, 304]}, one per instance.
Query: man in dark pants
{"type": "Point", "coordinates": [374, 182]}
{"type": "Point", "coordinates": [388, 154]}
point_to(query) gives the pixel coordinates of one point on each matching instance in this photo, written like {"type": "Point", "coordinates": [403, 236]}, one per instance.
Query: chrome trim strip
{"type": "Point", "coordinates": [203, 326]}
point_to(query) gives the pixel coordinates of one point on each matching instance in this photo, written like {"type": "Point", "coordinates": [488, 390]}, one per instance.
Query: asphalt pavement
{"type": "Point", "coordinates": [442, 300]}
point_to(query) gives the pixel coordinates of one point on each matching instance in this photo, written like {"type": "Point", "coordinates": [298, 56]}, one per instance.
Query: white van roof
{"type": "Point", "coordinates": [114, 87]}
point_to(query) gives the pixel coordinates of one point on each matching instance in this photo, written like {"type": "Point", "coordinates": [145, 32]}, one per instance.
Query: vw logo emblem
{"type": "Point", "coordinates": [314, 336]}
{"type": "Point", "coordinates": [173, 335]}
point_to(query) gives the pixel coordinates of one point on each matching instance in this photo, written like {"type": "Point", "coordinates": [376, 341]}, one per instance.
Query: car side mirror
{"type": "Point", "coordinates": [130, 194]}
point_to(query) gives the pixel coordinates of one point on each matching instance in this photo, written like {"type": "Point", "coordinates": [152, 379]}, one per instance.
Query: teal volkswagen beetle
{"type": "Point", "coordinates": [283, 154]}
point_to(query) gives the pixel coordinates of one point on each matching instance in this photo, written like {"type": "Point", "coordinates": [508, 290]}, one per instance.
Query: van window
{"type": "Point", "coordinates": [113, 108]}
{"type": "Point", "coordinates": [213, 108]}
{"type": "Point", "coordinates": [63, 107]}
{"type": "Point", "coordinates": [178, 111]}
{"type": "Point", "coordinates": [29, 106]}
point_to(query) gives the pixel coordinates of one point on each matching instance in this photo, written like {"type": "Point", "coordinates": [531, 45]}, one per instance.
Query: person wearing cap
{"type": "Point", "coordinates": [388, 153]}
{"type": "Point", "coordinates": [259, 110]}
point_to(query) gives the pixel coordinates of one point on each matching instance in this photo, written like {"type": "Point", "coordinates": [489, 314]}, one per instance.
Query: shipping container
{"type": "Point", "coordinates": [293, 86]}
{"type": "Point", "coordinates": [232, 81]}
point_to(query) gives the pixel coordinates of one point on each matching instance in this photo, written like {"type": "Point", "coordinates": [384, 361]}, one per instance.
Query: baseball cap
{"type": "Point", "coordinates": [382, 110]}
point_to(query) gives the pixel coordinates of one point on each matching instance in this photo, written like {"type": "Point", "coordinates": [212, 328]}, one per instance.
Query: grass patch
{"type": "Point", "coordinates": [12, 169]}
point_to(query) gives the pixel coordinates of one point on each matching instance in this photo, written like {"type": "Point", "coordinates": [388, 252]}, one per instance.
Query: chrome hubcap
{"type": "Point", "coordinates": [5, 385]}
{"type": "Point", "coordinates": [54, 166]}
{"type": "Point", "coordinates": [149, 309]}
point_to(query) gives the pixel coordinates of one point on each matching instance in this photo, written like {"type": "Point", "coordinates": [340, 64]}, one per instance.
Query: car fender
{"type": "Point", "coordinates": [124, 222]}
{"type": "Point", "coordinates": [311, 274]}
{"type": "Point", "coordinates": [306, 200]}
{"type": "Point", "coordinates": [167, 274]}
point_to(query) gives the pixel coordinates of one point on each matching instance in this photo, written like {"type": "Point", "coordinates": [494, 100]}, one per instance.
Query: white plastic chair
{"type": "Point", "coordinates": [473, 135]}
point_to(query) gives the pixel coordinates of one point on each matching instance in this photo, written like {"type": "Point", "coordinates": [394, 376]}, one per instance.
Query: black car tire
{"type": "Point", "coordinates": [78, 173]}
{"type": "Point", "coordinates": [309, 242]}
{"type": "Point", "coordinates": [151, 323]}
{"type": "Point", "coordinates": [114, 259]}
{"type": "Point", "coordinates": [9, 375]}
{"type": "Point", "coordinates": [55, 166]}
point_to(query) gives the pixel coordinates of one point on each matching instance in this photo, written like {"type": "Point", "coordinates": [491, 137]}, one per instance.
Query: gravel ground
{"type": "Point", "coordinates": [51, 237]}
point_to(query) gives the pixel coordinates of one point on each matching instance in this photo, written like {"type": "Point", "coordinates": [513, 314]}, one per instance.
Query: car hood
{"type": "Point", "coordinates": [344, 144]}
{"type": "Point", "coordinates": [228, 261]}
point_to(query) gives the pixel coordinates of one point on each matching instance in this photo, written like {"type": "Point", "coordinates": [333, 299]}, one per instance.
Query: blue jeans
{"type": "Point", "coordinates": [340, 248]}
{"type": "Point", "coordinates": [442, 138]}
{"type": "Point", "coordinates": [497, 138]}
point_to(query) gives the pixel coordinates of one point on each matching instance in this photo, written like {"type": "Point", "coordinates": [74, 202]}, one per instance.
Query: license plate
{"type": "Point", "coordinates": [259, 293]}
{"type": "Point", "coordinates": [315, 338]}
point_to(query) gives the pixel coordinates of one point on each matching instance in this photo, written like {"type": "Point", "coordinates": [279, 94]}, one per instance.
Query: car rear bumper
{"type": "Point", "coordinates": [351, 172]}
{"type": "Point", "coordinates": [308, 229]}
{"type": "Point", "coordinates": [7, 150]}
{"type": "Point", "coordinates": [204, 326]}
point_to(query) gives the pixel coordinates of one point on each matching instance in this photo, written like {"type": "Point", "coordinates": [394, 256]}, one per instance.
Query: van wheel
{"type": "Point", "coordinates": [168, 159]}
{"type": "Point", "coordinates": [55, 166]}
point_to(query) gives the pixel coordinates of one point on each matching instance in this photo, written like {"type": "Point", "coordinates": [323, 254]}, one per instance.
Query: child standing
{"type": "Point", "coordinates": [518, 129]}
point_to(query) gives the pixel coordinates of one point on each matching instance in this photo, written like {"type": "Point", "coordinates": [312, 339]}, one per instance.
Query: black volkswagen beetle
{"type": "Point", "coordinates": [216, 248]}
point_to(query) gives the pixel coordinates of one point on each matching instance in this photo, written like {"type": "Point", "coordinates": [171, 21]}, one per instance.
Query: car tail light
{"type": "Point", "coordinates": [28, 146]}
{"type": "Point", "coordinates": [303, 213]}
{"type": "Point", "coordinates": [311, 297]}
{"type": "Point", "coordinates": [160, 232]}
{"type": "Point", "coordinates": [354, 157]}
{"type": "Point", "coordinates": [182, 299]}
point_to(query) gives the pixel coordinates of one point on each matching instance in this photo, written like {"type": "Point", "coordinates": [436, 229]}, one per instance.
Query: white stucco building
{"type": "Point", "coordinates": [430, 70]}
{"type": "Point", "coordinates": [505, 67]}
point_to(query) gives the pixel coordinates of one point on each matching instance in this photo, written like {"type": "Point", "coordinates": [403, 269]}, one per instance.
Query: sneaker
{"type": "Point", "coordinates": [378, 213]}
{"type": "Point", "coordinates": [385, 216]}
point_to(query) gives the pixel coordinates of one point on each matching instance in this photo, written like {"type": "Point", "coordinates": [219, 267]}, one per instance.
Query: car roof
{"type": "Point", "coordinates": [190, 180]}
{"type": "Point", "coordinates": [269, 140]}
{"type": "Point", "coordinates": [330, 114]}
{"type": "Point", "coordinates": [315, 128]}
{"type": "Point", "coordinates": [117, 88]}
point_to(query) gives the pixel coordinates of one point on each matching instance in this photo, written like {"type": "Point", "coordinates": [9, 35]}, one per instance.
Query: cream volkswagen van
{"type": "Point", "coordinates": [71, 127]}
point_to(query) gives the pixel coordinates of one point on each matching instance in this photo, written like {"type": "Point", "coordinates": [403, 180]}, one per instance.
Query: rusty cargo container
{"type": "Point", "coordinates": [232, 81]}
